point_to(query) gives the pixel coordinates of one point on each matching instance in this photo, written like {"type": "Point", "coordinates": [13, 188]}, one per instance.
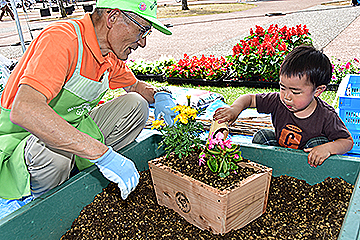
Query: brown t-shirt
{"type": "Point", "coordinates": [293, 132]}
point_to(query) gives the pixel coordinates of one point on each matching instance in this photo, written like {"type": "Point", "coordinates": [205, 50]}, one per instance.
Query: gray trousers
{"type": "Point", "coordinates": [120, 120]}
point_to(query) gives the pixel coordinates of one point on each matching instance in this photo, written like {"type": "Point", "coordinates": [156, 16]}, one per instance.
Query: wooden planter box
{"type": "Point", "coordinates": [209, 208]}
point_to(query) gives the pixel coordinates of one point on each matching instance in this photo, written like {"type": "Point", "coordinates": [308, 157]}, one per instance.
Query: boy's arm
{"type": "Point", "coordinates": [317, 155]}
{"type": "Point", "coordinates": [230, 114]}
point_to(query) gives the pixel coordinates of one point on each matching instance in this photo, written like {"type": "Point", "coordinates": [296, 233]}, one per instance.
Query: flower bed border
{"type": "Point", "coordinates": [151, 77]}
{"type": "Point", "coordinates": [195, 81]}
{"type": "Point", "coordinates": [251, 83]}
{"type": "Point", "coordinates": [231, 82]}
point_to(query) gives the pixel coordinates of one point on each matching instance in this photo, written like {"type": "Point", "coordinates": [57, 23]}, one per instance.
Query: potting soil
{"type": "Point", "coordinates": [295, 210]}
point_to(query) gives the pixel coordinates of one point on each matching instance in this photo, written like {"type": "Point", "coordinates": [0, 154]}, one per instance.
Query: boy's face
{"type": "Point", "coordinates": [297, 94]}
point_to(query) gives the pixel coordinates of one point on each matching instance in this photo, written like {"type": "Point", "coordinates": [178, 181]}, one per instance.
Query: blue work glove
{"type": "Point", "coordinates": [118, 169]}
{"type": "Point", "coordinates": [163, 105]}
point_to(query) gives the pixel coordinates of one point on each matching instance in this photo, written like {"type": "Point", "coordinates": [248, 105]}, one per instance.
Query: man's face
{"type": "Point", "coordinates": [125, 36]}
{"type": "Point", "coordinates": [297, 94]}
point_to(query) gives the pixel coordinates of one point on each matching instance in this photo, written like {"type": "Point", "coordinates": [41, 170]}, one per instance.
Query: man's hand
{"type": "Point", "coordinates": [163, 105]}
{"type": "Point", "coordinates": [118, 169]}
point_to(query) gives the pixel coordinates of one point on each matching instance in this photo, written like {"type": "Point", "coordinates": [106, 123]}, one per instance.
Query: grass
{"type": "Point", "coordinates": [230, 93]}
{"type": "Point", "coordinates": [201, 9]}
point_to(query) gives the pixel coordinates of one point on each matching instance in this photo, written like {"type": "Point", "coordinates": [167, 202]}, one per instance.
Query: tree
{"type": "Point", "coordinates": [62, 8]}
{"type": "Point", "coordinates": [184, 5]}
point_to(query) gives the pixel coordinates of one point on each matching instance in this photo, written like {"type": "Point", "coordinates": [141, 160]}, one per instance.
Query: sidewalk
{"type": "Point", "coordinates": [217, 34]}
{"type": "Point", "coordinates": [333, 28]}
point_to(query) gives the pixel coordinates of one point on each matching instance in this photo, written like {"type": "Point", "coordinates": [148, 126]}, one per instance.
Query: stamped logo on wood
{"type": "Point", "coordinates": [183, 202]}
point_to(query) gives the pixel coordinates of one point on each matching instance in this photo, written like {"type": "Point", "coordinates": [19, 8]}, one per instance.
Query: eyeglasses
{"type": "Point", "coordinates": [145, 30]}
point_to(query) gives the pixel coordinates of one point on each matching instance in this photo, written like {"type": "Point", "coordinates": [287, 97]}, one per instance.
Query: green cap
{"type": "Point", "coordinates": [144, 8]}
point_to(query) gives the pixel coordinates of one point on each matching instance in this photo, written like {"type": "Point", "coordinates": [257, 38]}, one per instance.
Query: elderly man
{"type": "Point", "coordinates": [48, 123]}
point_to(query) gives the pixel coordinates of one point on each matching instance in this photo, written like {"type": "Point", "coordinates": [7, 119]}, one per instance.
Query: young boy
{"type": "Point", "coordinates": [301, 119]}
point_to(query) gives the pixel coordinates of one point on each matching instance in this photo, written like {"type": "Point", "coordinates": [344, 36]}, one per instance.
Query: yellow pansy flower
{"type": "Point", "coordinates": [157, 124]}
{"type": "Point", "coordinates": [182, 118]}
{"type": "Point", "coordinates": [190, 112]}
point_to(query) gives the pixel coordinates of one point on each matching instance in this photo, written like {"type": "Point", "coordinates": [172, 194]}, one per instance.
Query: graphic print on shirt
{"type": "Point", "coordinates": [290, 136]}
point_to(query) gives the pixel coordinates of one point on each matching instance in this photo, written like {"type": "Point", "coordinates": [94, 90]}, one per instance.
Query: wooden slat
{"type": "Point", "coordinates": [246, 204]}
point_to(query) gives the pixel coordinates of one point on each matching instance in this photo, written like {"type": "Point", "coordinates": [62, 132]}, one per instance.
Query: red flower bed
{"type": "Point", "coordinates": [262, 53]}
{"type": "Point", "coordinates": [209, 68]}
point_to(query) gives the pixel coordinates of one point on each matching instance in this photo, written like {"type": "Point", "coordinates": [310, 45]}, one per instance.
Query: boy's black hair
{"type": "Point", "coordinates": [309, 62]}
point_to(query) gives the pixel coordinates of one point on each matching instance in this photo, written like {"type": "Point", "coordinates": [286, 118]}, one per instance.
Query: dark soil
{"type": "Point", "coordinates": [190, 167]}
{"type": "Point", "coordinates": [295, 210]}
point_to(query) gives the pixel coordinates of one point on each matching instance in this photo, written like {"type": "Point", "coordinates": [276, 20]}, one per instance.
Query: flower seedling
{"type": "Point", "coordinates": [143, 67]}
{"type": "Point", "coordinates": [341, 69]}
{"type": "Point", "coordinates": [209, 68]}
{"type": "Point", "coordinates": [220, 155]}
{"type": "Point", "coordinates": [183, 136]}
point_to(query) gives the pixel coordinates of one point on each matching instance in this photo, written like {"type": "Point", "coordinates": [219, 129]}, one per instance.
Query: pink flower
{"type": "Point", "coordinates": [236, 156]}
{"type": "Point", "coordinates": [214, 141]}
{"type": "Point", "coordinates": [219, 139]}
{"type": "Point", "coordinates": [219, 136]}
{"type": "Point", "coordinates": [227, 143]}
{"type": "Point", "coordinates": [201, 158]}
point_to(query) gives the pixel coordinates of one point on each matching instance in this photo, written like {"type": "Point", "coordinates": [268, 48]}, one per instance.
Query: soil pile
{"type": "Point", "coordinates": [295, 210]}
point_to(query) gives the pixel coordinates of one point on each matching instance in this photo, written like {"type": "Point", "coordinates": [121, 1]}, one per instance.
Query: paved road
{"type": "Point", "coordinates": [216, 34]}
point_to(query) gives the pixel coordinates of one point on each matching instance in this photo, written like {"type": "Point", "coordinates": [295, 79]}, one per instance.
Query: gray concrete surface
{"type": "Point", "coordinates": [333, 28]}
{"type": "Point", "coordinates": [324, 23]}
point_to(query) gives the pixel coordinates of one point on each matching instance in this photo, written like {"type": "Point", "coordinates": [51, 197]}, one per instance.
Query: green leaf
{"type": "Point", "coordinates": [225, 167]}
{"type": "Point", "coordinates": [212, 164]}
{"type": "Point", "coordinates": [222, 175]}
{"type": "Point", "coordinates": [233, 166]}
{"type": "Point", "coordinates": [221, 165]}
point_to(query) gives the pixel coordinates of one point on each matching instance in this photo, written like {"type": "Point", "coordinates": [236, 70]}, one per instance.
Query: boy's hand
{"type": "Point", "coordinates": [317, 155]}
{"type": "Point", "coordinates": [225, 114]}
